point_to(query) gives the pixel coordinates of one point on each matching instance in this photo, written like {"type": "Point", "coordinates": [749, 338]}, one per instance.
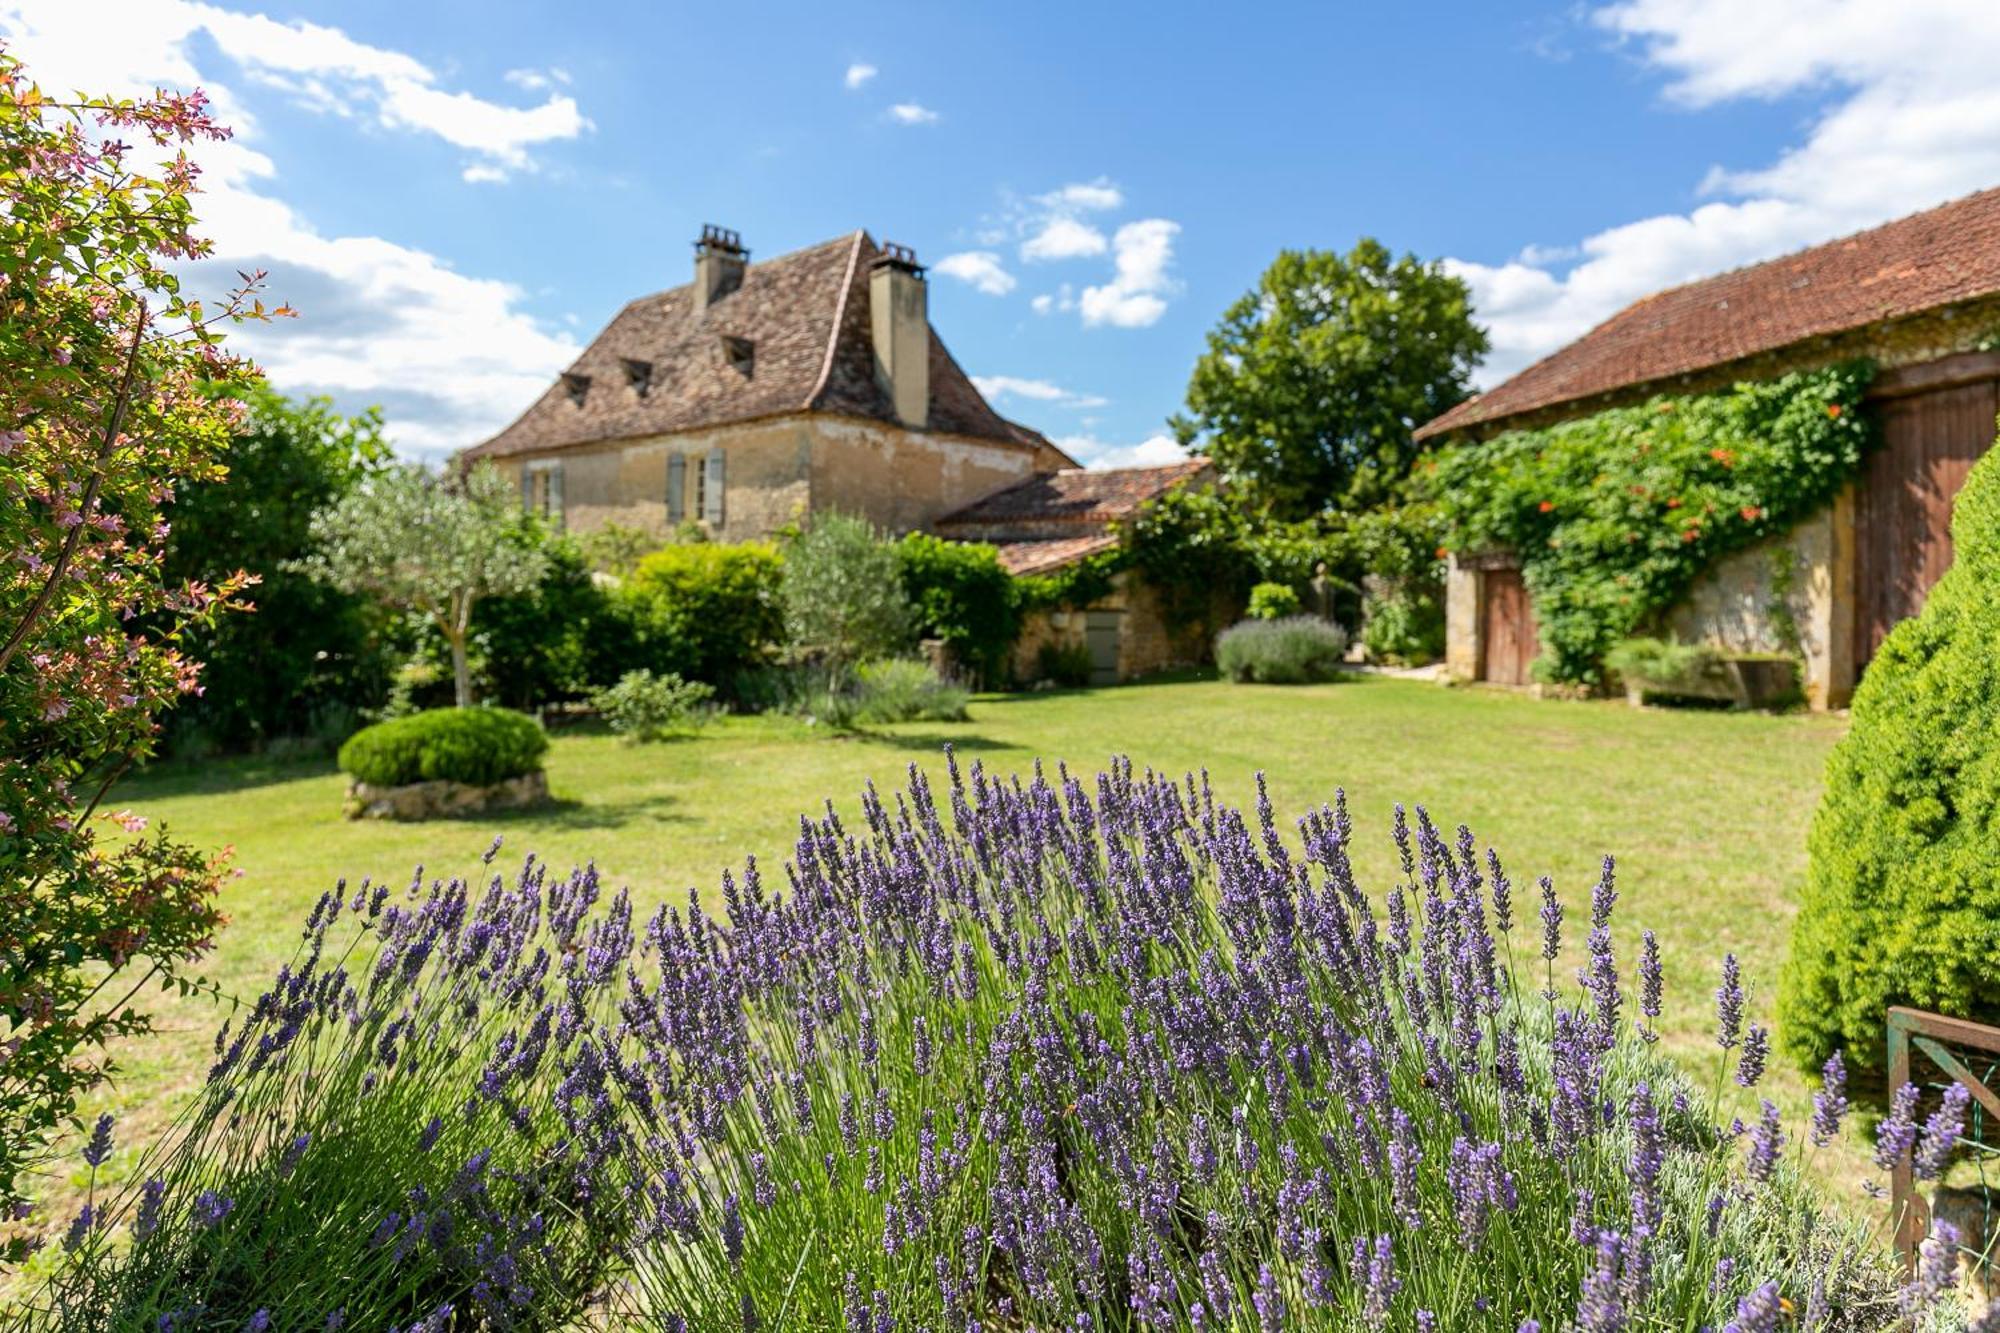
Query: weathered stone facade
{"type": "Point", "coordinates": [780, 470]}
{"type": "Point", "coordinates": [1144, 639]}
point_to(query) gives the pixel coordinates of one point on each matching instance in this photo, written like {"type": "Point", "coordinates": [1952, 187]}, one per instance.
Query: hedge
{"type": "Point", "coordinates": [477, 746]}
{"type": "Point", "coordinates": [707, 611]}
{"type": "Point", "coordinates": [1902, 897]}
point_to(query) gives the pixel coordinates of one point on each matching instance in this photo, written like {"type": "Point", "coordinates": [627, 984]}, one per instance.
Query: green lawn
{"type": "Point", "coordinates": [1706, 812]}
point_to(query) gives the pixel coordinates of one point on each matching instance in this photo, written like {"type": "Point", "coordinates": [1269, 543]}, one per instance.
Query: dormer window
{"type": "Point", "coordinates": [638, 374]}
{"type": "Point", "coordinates": [577, 385]}
{"type": "Point", "coordinates": [740, 352]}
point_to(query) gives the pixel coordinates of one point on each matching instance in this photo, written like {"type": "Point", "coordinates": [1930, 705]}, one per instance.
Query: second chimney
{"type": "Point", "coordinates": [899, 306]}
{"type": "Point", "coordinates": [719, 261]}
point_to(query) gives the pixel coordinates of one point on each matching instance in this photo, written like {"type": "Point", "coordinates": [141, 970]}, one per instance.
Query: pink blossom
{"type": "Point", "coordinates": [128, 821]}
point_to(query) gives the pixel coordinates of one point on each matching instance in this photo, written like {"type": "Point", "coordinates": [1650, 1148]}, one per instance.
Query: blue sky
{"type": "Point", "coordinates": [457, 196]}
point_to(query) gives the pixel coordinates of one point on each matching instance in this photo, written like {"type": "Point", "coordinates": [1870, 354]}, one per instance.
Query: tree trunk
{"type": "Point", "coordinates": [461, 672]}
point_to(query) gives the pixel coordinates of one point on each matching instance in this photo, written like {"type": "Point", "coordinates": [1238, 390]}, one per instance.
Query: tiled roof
{"type": "Point", "coordinates": [1073, 495]}
{"type": "Point", "coordinates": [805, 317]}
{"type": "Point", "coordinates": [1919, 263]}
{"type": "Point", "coordinates": [1038, 556]}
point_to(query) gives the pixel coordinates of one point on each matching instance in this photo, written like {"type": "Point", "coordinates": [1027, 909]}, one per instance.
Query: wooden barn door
{"type": "Point", "coordinates": [1903, 517]}
{"type": "Point", "coordinates": [1507, 629]}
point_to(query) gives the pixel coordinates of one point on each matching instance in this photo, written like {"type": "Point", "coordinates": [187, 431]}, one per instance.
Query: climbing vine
{"type": "Point", "coordinates": [1614, 515]}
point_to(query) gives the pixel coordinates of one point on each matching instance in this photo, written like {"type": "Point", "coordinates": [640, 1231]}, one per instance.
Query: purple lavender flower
{"type": "Point", "coordinates": [1937, 1270]}
{"type": "Point", "coordinates": [1830, 1102]}
{"type": "Point", "coordinates": [1552, 919]}
{"type": "Point", "coordinates": [1897, 1131]}
{"type": "Point", "coordinates": [1941, 1131]}
{"type": "Point", "coordinates": [1756, 1050]}
{"type": "Point", "coordinates": [99, 1148]}
{"type": "Point", "coordinates": [79, 1229]}
{"type": "Point", "coordinates": [1603, 895]}
{"type": "Point", "coordinates": [1270, 1302]}
{"type": "Point", "coordinates": [210, 1208]}
{"type": "Point", "coordinates": [1767, 1140]}
{"type": "Point", "coordinates": [147, 1220]}
{"type": "Point", "coordinates": [1651, 983]}
{"type": "Point", "coordinates": [1375, 1273]}
{"type": "Point", "coordinates": [1601, 1305]}
{"type": "Point", "coordinates": [260, 1322]}
{"type": "Point", "coordinates": [1503, 893]}
{"type": "Point", "coordinates": [1729, 1004]}
{"type": "Point", "coordinates": [732, 1230]}
{"type": "Point", "coordinates": [1758, 1312]}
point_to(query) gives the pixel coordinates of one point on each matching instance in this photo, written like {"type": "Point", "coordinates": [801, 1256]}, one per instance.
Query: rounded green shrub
{"type": "Point", "coordinates": [1297, 650]}
{"type": "Point", "coordinates": [476, 746]}
{"type": "Point", "coordinates": [1273, 601]}
{"type": "Point", "coordinates": [705, 610]}
{"type": "Point", "coordinates": [1902, 898]}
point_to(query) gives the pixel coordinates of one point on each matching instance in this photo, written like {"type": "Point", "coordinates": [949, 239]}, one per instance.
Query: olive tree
{"type": "Point", "coordinates": [431, 544]}
{"type": "Point", "coordinates": [843, 594]}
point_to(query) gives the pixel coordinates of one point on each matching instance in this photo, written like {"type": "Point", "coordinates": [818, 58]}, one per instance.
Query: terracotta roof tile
{"type": "Point", "coordinates": [1935, 258]}
{"type": "Point", "coordinates": [1040, 555]}
{"type": "Point", "coordinates": [1074, 495]}
{"type": "Point", "coordinates": [805, 317]}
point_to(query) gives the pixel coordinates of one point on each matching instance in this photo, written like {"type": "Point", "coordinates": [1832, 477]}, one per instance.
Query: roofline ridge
{"type": "Point", "coordinates": [839, 316]}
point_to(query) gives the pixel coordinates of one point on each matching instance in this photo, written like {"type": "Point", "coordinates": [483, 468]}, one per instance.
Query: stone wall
{"type": "Point", "coordinates": [1147, 641]}
{"type": "Point", "coordinates": [779, 470]}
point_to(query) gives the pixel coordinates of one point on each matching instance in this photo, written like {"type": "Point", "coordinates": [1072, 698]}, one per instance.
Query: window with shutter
{"type": "Point", "coordinates": [677, 467]}
{"type": "Point", "coordinates": [712, 497]}
{"type": "Point", "coordinates": [555, 507]}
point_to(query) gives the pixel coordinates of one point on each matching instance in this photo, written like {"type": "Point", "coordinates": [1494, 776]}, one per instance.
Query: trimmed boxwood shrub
{"type": "Point", "coordinates": [476, 746]}
{"type": "Point", "coordinates": [1902, 898]}
{"type": "Point", "coordinates": [1294, 651]}
{"type": "Point", "coordinates": [707, 611]}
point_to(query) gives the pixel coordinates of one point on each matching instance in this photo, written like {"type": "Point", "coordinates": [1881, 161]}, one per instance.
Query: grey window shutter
{"type": "Point", "coordinates": [677, 475]}
{"type": "Point", "coordinates": [712, 500]}
{"type": "Point", "coordinates": [555, 495]}
{"type": "Point", "coordinates": [527, 488]}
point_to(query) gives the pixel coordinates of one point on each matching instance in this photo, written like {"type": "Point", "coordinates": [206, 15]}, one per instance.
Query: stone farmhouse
{"type": "Point", "coordinates": [1921, 298]}
{"type": "Point", "coordinates": [760, 394]}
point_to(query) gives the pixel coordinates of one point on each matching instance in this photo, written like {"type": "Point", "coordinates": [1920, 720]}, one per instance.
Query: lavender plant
{"type": "Point", "coordinates": [419, 1118]}
{"type": "Point", "coordinates": [1017, 1055]}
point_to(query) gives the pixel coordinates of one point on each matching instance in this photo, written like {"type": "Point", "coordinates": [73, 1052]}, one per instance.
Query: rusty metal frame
{"type": "Point", "coordinates": [1932, 1035]}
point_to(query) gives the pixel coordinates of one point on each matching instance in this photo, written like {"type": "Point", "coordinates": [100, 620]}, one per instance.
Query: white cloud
{"type": "Point", "coordinates": [452, 356]}
{"type": "Point", "coordinates": [858, 74]}
{"type": "Point", "coordinates": [535, 80]}
{"type": "Point", "coordinates": [1137, 295]}
{"type": "Point", "coordinates": [909, 113]}
{"type": "Point", "coordinates": [1043, 304]}
{"type": "Point", "coordinates": [1154, 451]}
{"type": "Point", "coordinates": [1083, 197]}
{"type": "Point", "coordinates": [482, 173]}
{"type": "Point", "coordinates": [1910, 118]}
{"type": "Point", "coordinates": [981, 268]}
{"type": "Point", "coordinates": [1063, 238]}
{"type": "Point", "coordinates": [1040, 391]}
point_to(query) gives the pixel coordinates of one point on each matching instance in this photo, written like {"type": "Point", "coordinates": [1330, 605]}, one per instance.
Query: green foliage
{"type": "Point", "coordinates": [476, 746]}
{"type": "Point", "coordinates": [1313, 382]}
{"type": "Point", "coordinates": [843, 593]}
{"type": "Point", "coordinates": [557, 640]}
{"type": "Point", "coordinates": [311, 655]}
{"type": "Point", "coordinates": [432, 545]}
{"type": "Point", "coordinates": [1072, 587]}
{"type": "Point", "coordinates": [707, 611]}
{"type": "Point", "coordinates": [1064, 664]}
{"type": "Point", "coordinates": [644, 707]}
{"type": "Point", "coordinates": [1615, 515]}
{"type": "Point", "coordinates": [116, 397]}
{"type": "Point", "coordinates": [1296, 651]}
{"type": "Point", "coordinates": [1902, 897]}
{"type": "Point", "coordinates": [1273, 601]}
{"type": "Point", "coordinates": [615, 549]}
{"type": "Point", "coordinates": [962, 595]}
{"type": "Point", "coordinates": [1191, 545]}
{"type": "Point", "coordinates": [1663, 664]}
{"type": "Point", "coordinates": [902, 689]}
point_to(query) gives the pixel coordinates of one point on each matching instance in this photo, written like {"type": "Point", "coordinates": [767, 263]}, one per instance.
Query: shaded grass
{"type": "Point", "coordinates": [1706, 812]}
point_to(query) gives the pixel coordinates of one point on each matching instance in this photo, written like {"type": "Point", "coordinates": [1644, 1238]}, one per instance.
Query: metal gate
{"type": "Point", "coordinates": [1903, 515]}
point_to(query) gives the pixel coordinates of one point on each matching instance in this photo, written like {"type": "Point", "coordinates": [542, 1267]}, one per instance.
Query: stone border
{"type": "Point", "coordinates": [443, 799]}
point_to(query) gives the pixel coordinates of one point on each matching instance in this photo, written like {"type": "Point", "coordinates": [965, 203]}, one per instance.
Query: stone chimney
{"type": "Point", "coordinates": [899, 307]}
{"type": "Point", "coordinates": [719, 261]}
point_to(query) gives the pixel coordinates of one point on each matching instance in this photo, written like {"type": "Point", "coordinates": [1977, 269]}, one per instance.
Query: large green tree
{"type": "Point", "coordinates": [1314, 380]}
{"type": "Point", "coordinates": [311, 652]}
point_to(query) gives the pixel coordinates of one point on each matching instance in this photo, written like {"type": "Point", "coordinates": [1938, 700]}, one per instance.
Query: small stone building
{"type": "Point", "coordinates": [1049, 522]}
{"type": "Point", "coordinates": [1921, 298]}
{"type": "Point", "coordinates": [759, 394]}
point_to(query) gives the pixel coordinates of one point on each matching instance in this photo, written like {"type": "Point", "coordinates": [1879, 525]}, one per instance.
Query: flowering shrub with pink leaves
{"type": "Point", "coordinates": [116, 393]}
